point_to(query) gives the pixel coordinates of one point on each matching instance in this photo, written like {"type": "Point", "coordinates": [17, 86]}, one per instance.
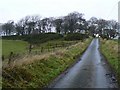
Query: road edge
{"type": "Point", "coordinates": [52, 84]}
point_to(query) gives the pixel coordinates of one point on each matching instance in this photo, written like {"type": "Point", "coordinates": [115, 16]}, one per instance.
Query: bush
{"type": "Point", "coordinates": [105, 37]}
{"type": "Point", "coordinates": [75, 36]}
{"type": "Point", "coordinates": [35, 39]}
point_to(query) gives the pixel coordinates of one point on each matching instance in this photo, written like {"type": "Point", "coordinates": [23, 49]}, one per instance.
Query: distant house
{"type": "Point", "coordinates": [97, 35]}
{"type": "Point", "coordinates": [80, 31]}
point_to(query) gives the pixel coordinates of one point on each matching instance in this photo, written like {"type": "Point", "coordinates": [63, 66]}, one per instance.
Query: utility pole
{"type": "Point", "coordinates": [119, 12]}
{"type": "Point", "coordinates": [119, 18]}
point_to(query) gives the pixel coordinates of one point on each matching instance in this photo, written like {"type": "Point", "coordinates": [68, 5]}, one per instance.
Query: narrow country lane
{"type": "Point", "coordinates": [90, 72]}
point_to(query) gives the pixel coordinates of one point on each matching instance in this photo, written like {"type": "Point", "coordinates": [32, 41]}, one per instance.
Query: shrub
{"type": "Point", "coordinates": [35, 39]}
{"type": "Point", "coordinates": [75, 36]}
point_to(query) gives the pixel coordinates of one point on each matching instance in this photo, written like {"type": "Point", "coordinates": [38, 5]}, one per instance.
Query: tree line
{"type": "Point", "coordinates": [72, 23]}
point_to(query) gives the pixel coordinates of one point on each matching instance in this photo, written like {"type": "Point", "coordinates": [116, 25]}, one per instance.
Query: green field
{"type": "Point", "coordinates": [15, 46]}
{"type": "Point", "coordinates": [40, 43]}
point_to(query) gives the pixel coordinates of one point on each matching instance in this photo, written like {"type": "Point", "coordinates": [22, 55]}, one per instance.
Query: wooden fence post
{"type": "Point", "coordinates": [10, 57]}
{"type": "Point", "coordinates": [30, 48]}
{"type": "Point", "coordinates": [3, 58]}
{"type": "Point", "coordinates": [41, 49]}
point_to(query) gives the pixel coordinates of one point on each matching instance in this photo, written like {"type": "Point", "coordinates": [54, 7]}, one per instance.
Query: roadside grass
{"type": "Point", "coordinates": [42, 71]}
{"type": "Point", "coordinates": [0, 63]}
{"type": "Point", "coordinates": [15, 46]}
{"type": "Point", "coordinates": [54, 44]}
{"type": "Point", "coordinates": [109, 49]}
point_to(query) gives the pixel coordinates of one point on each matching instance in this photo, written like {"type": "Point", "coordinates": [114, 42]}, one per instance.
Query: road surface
{"type": "Point", "coordinates": [91, 71]}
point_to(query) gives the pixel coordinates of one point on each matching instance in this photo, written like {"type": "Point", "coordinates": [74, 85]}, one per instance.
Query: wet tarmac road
{"type": "Point", "coordinates": [89, 72]}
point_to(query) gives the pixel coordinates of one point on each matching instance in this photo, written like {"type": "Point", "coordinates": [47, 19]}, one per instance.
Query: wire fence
{"type": "Point", "coordinates": [13, 57]}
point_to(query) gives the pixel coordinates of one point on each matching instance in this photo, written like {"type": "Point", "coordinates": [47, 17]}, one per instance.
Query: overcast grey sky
{"type": "Point", "coordinates": [17, 9]}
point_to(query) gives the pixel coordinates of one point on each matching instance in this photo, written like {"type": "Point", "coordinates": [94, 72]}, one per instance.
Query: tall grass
{"type": "Point", "coordinates": [0, 63]}
{"type": "Point", "coordinates": [42, 71]}
{"type": "Point", "coordinates": [110, 50]}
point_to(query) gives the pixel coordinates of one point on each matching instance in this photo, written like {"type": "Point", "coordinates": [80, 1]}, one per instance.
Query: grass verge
{"type": "Point", "coordinates": [41, 72]}
{"type": "Point", "coordinates": [109, 49]}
